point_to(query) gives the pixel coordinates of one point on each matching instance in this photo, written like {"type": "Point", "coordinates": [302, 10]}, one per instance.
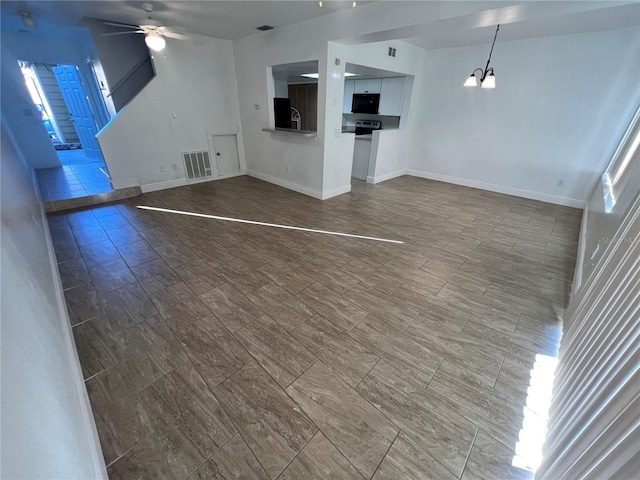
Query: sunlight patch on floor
{"type": "Point", "coordinates": [536, 414]}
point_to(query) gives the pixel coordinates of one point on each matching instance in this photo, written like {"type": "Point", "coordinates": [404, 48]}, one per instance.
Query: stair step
{"type": "Point", "coordinates": [91, 200]}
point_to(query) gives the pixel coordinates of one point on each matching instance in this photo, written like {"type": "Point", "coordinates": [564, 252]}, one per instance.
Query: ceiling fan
{"type": "Point", "coordinates": [154, 32]}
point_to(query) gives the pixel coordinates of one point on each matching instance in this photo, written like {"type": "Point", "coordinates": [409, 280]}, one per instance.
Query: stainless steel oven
{"type": "Point", "coordinates": [365, 127]}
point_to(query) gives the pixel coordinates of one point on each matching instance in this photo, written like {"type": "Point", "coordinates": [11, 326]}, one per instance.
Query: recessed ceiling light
{"type": "Point", "coordinates": [264, 28]}
{"type": "Point", "coordinates": [315, 75]}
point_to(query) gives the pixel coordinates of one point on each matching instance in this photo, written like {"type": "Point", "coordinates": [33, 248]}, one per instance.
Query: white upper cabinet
{"type": "Point", "coordinates": [391, 92]}
{"type": "Point", "coordinates": [392, 96]}
{"type": "Point", "coordinates": [371, 85]}
{"type": "Point", "coordinates": [349, 88]}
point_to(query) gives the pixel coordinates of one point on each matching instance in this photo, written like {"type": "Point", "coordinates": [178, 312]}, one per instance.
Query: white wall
{"type": "Point", "coordinates": [388, 155]}
{"type": "Point", "coordinates": [338, 159]}
{"type": "Point", "coordinates": [559, 109]}
{"type": "Point", "coordinates": [293, 162]}
{"type": "Point", "coordinates": [47, 425]}
{"type": "Point", "coordinates": [319, 167]}
{"type": "Point", "coordinates": [195, 79]}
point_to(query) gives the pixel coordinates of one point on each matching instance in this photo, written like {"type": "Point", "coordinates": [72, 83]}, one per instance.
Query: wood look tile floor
{"type": "Point", "coordinates": [219, 350]}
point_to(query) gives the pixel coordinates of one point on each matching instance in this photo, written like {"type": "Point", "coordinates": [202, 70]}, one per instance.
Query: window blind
{"type": "Point", "coordinates": [594, 426]}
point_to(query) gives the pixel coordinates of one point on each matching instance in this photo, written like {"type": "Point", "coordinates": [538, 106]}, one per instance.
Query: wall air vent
{"type": "Point", "coordinates": [264, 28]}
{"type": "Point", "coordinates": [197, 165]}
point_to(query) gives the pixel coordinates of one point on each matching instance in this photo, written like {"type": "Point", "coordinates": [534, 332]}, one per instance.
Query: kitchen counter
{"type": "Point", "coordinates": [292, 131]}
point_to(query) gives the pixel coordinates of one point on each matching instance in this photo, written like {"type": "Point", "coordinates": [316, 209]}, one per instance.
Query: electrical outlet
{"type": "Point", "coordinates": [335, 101]}
{"type": "Point", "coordinates": [286, 168]}
{"type": "Point", "coordinates": [174, 166]}
{"type": "Point", "coordinates": [161, 168]}
{"type": "Point", "coordinates": [560, 182]}
{"type": "Point", "coordinates": [338, 132]}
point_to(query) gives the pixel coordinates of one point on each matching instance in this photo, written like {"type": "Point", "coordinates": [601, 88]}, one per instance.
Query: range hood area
{"type": "Point", "coordinates": [375, 96]}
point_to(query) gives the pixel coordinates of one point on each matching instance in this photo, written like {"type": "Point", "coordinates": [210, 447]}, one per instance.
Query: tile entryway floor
{"type": "Point", "coordinates": [220, 350]}
{"type": "Point", "coordinates": [73, 181]}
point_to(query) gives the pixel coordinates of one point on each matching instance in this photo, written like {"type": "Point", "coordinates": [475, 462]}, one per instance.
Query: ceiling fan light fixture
{"type": "Point", "coordinates": [155, 41]}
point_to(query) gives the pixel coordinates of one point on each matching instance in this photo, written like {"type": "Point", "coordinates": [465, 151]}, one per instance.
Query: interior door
{"type": "Point", "coordinates": [226, 152]}
{"type": "Point", "coordinates": [78, 106]}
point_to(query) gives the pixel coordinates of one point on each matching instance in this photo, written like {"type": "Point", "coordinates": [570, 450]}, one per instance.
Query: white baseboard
{"type": "Point", "coordinates": [85, 412]}
{"type": "Point", "coordinates": [386, 176]}
{"type": "Point", "coordinates": [125, 183]}
{"type": "Point", "coordinates": [152, 187]}
{"type": "Point", "coordinates": [518, 192]}
{"type": "Point", "coordinates": [334, 192]}
{"type": "Point", "coordinates": [181, 182]}
{"type": "Point", "coordinates": [286, 184]}
{"type": "Point", "coordinates": [230, 175]}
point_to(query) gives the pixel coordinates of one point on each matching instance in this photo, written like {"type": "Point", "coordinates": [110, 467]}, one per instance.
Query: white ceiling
{"type": "Point", "coordinates": [368, 72]}
{"type": "Point", "coordinates": [235, 19]}
{"type": "Point", "coordinates": [292, 72]}
{"type": "Point", "coordinates": [220, 19]}
{"type": "Point", "coordinates": [519, 26]}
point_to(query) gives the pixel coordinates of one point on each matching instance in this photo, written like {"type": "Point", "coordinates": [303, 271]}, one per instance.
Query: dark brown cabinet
{"type": "Point", "coordinates": [304, 98]}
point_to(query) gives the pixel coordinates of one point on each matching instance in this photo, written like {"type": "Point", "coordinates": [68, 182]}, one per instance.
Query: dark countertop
{"type": "Point", "coordinates": [292, 131]}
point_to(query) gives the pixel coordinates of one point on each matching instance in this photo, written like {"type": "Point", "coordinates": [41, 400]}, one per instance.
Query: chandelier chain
{"type": "Point", "coordinates": [492, 45]}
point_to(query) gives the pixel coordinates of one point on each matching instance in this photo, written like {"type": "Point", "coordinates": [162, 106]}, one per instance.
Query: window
{"type": "Point", "coordinates": [614, 178]}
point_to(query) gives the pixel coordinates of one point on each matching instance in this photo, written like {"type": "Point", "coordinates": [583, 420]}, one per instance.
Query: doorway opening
{"type": "Point", "coordinates": [59, 95]}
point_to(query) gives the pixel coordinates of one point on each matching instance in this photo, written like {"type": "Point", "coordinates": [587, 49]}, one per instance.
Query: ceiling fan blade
{"type": "Point", "coordinates": [174, 28]}
{"type": "Point", "coordinates": [120, 33]}
{"type": "Point", "coordinates": [123, 25]}
{"type": "Point", "coordinates": [177, 36]}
